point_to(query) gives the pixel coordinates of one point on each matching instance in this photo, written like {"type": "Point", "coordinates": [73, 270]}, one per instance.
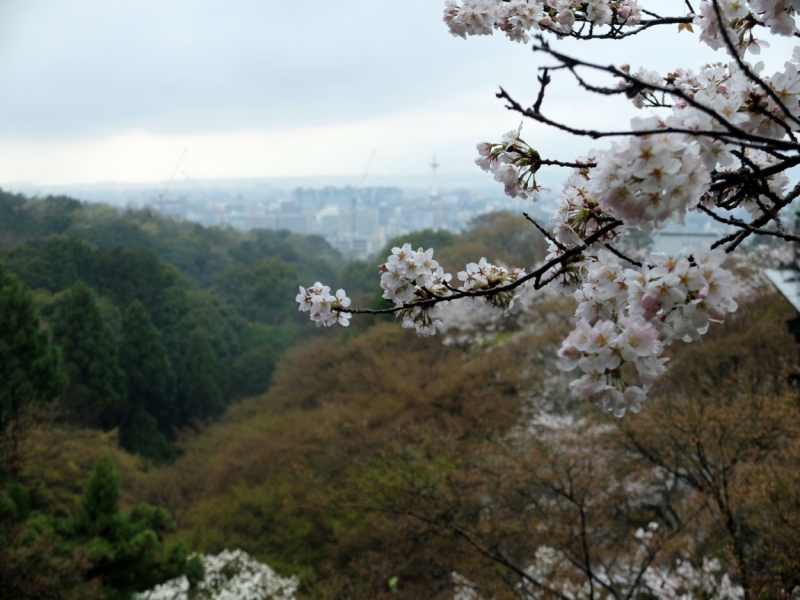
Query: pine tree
{"type": "Point", "coordinates": [29, 364]}
{"type": "Point", "coordinates": [100, 502]}
{"type": "Point", "coordinates": [200, 395]}
{"type": "Point", "coordinates": [148, 374]}
{"type": "Point", "coordinates": [139, 433]}
{"type": "Point", "coordinates": [96, 392]}
{"type": "Point", "coordinates": [127, 551]}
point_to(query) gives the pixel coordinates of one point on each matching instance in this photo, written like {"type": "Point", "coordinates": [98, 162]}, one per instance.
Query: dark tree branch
{"type": "Point", "coordinates": [745, 68]}
{"type": "Point", "coordinates": [536, 275]}
{"type": "Point", "coordinates": [616, 32]}
{"type": "Point", "coordinates": [545, 233]}
{"type": "Point", "coordinates": [622, 256]}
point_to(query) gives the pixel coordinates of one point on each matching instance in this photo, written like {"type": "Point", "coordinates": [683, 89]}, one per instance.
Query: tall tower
{"type": "Point", "coordinates": [435, 189]}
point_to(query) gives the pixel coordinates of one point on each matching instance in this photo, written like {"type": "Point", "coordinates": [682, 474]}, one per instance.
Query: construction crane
{"type": "Point", "coordinates": [172, 177]}
{"type": "Point", "coordinates": [435, 190]}
{"type": "Point", "coordinates": [357, 195]}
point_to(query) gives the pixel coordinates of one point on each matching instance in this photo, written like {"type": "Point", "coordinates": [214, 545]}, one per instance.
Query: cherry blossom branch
{"type": "Point", "coordinates": [622, 256]}
{"type": "Point", "coordinates": [616, 32]}
{"type": "Point", "coordinates": [743, 225]}
{"type": "Point", "coordinates": [536, 275]}
{"type": "Point", "coordinates": [726, 117]}
{"type": "Point", "coordinates": [570, 63]}
{"type": "Point", "coordinates": [725, 180]}
{"type": "Point", "coordinates": [545, 233]}
{"type": "Point", "coordinates": [750, 140]}
{"type": "Point", "coordinates": [544, 79]}
{"type": "Point", "coordinates": [759, 222]}
{"type": "Point", "coordinates": [561, 163]}
{"type": "Point", "coordinates": [764, 189]}
{"type": "Point", "coordinates": [745, 68]}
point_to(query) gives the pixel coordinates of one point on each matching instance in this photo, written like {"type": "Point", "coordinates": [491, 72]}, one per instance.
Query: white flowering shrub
{"type": "Point", "coordinates": [719, 140]}
{"type": "Point", "coordinates": [230, 575]}
{"type": "Point", "coordinates": [555, 577]}
{"type": "Point", "coordinates": [681, 581]}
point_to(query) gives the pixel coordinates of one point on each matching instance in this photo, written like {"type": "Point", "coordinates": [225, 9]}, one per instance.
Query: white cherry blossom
{"type": "Point", "coordinates": [229, 575]}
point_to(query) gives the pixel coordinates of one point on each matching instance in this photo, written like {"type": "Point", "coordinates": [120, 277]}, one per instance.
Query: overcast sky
{"type": "Point", "coordinates": [99, 90]}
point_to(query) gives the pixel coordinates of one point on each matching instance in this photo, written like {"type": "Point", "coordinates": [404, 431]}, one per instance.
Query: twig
{"type": "Point", "coordinates": [545, 233]}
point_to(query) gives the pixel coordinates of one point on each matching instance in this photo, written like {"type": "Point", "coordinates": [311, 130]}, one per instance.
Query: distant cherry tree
{"type": "Point", "coordinates": [719, 140]}
{"type": "Point", "coordinates": [229, 575]}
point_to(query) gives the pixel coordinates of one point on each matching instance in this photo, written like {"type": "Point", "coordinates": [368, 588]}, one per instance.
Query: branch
{"type": "Point", "coordinates": [622, 256]}
{"type": "Point", "coordinates": [616, 32]}
{"type": "Point", "coordinates": [752, 230]}
{"type": "Point", "coordinates": [545, 233]}
{"type": "Point", "coordinates": [570, 63]}
{"type": "Point", "coordinates": [536, 275]}
{"type": "Point", "coordinates": [726, 180]}
{"type": "Point", "coordinates": [744, 66]}
{"type": "Point", "coordinates": [746, 139]}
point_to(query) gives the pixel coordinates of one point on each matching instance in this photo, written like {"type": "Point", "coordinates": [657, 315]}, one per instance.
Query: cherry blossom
{"type": "Point", "coordinates": [229, 575]}
{"type": "Point", "coordinates": [483, 276]}
{"type": "Point", "coordinates": [650, 180]}
{"type": "Point", "coordinates": [514, 163]}
{"type": "Point", "coordinates": [324, 308]}
{"type": "Point", "coordinates": [719, 140]}
{"type": "Point", "coordinates": [410, 276]}
{"type": "Point", "coordinates": [627, 316]}
{"type": "Point", "coordinates": [518, 17]}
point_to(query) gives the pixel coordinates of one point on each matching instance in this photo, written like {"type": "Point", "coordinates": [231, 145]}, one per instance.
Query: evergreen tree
{"type": "Point", "coordinates": [96, 392]}
{"type": "Point", "coordinates": [252, 372]}
{"type": "Point", "coordinates": [148, 374]}
{"type": "Point", "coordinates": [28, 362]}
{"type": "Point", "coordinates": [127, 552]}
{"type": "Point", "coordinates": [100, 502]}
{"type": "Point", "coordinates": [139, 433]}
{"type": "Point", "coordinates": [149, 382]}
{"type": "Point", "coordinates": [200, 395]}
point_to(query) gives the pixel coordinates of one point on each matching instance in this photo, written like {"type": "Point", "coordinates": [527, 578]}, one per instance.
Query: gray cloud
{"type": "Point", "coordinates": [86, 68]}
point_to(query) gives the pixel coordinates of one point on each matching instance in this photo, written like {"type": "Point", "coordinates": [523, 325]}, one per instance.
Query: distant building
{"type": "Point", "coordinates": [672, 242]}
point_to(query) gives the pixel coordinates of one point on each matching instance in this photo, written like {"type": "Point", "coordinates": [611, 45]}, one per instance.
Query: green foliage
{"type": "Point", "coordinates": [201, 253]}
{"type": "Point", "coordinates": [148, 374]}
{"type": "Point", "coordinates": [15, 503]}
{"type": "Point", "coordinates": [360, 277]}
{"type": "Point", "coordinates": [96, 394]}
{"type": "Point", "coordinates": [29, 364]}
{"type": "Point", "coordinates": [35, 568]}
{"type": "Point", "coordinates": [22, 219]}
{"type": "Point", "coordinates": [53, 264]}
{"type": "Point", "coordinates": [269, 521]}
{"type": "Point", "coordinates": [263, 291]}
{"type": "Point", "coordinates": [139, 433]}
{"type": "Point", "coordinates": [279, 337]}
{"type": "Point", "coordinates": [100, 503]}
{"type": "Point", "coordinates": [127, 552]}
{"type": "Point", "coordinates": [124, 276]}
{"type": "Point", "coordinates": [97, 551]}
{"type": "Point", "coordinates": [252, 371]}
{"type": "Point", "coordinates": [437, 239]}
{"type": "Point", "coordinates": [200, 398]}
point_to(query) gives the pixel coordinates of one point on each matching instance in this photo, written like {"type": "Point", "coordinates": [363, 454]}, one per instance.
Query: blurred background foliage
{"type": "Point", "coordinates": [198, 411]}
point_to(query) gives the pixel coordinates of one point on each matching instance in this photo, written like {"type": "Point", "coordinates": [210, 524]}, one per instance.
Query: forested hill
{"type": "Point", "coordinates": [202, 254]}
{"type": "Point", "coordinates": [366, 461]}
{"type": "Point", "coordinates": [163, 323]}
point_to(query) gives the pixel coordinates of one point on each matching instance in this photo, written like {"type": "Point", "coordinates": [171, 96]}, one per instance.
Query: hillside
{"type": "Point", "coordinates": [368, 462]}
